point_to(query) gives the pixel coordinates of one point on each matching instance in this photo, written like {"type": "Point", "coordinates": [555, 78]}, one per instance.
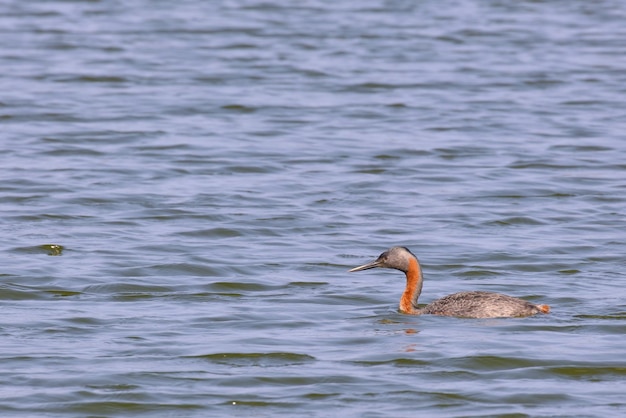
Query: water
{"type": "Point", "coordinates": [184, 186]}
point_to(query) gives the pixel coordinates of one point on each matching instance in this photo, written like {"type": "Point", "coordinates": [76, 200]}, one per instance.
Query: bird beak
{"type": "Point", "coordinates": [371, 265]}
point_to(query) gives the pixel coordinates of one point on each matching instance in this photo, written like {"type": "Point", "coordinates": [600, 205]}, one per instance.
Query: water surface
{"type": "Point", "coordinates": [184, 187]}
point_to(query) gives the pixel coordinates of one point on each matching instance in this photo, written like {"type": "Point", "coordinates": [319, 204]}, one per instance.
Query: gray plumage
{"type": "Point", "coordinates": [477, 304]}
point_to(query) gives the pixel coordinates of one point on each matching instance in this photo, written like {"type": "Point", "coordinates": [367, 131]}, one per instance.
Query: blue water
{"type": "Point", "coordinates": [183, 187]}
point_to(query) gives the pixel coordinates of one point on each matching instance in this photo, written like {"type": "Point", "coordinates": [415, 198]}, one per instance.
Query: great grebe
{"type": "Point", "coordinates": [474, 304]}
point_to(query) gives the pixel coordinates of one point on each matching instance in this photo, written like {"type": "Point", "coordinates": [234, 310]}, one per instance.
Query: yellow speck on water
{"type": "Point", "coordinates": [53, 249]}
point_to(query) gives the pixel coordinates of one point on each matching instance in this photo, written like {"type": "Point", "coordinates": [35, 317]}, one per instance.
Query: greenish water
{"type": "Point", "coordinates": [184, 187]}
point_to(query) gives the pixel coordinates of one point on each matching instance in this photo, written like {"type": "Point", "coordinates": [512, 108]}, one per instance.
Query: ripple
{"type": "Point", "coordinates": [257, 359]}
{"type": "Point", "coordinates": [129, 290]}
{"type": "Point", "coordinates": [592, 373]}
{"type": "Point", "coordinates": [14, 292]}
{"type": "Point", "coordinates": [397, 362]}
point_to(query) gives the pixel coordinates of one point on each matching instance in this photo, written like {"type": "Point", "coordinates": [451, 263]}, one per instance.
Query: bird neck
{"type": "Point", "coordinates": [408, 302]}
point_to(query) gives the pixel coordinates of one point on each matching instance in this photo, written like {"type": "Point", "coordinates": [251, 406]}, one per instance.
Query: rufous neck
{"type": "Point", "coordinates": [408, 302]}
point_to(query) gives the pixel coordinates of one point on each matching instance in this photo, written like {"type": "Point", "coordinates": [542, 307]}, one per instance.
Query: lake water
{"type": "Point", "coordinates": [184, 185]}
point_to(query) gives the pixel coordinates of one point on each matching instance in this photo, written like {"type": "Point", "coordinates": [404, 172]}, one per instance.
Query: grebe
{"type": "Point", "coordinates": [463, 304]}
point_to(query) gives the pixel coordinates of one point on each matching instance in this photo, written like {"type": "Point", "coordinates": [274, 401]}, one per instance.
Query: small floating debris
{"type": "Point", "coordinates": [52, 249]}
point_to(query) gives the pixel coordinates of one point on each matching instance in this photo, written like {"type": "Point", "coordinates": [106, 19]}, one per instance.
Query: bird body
{"type": "Point", "coordinates": [477, 304]}
{"type": "Point", "coordinates": [474, 304]}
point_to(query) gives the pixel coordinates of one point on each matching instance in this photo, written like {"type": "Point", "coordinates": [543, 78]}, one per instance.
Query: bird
{"type": "Point", "coordinates": [473, 304]}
